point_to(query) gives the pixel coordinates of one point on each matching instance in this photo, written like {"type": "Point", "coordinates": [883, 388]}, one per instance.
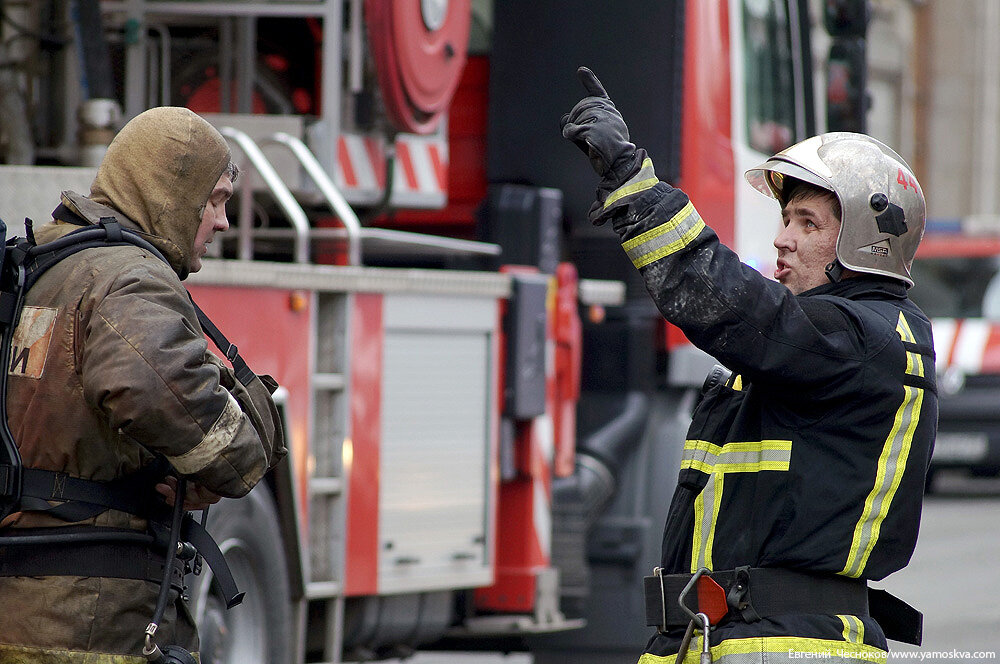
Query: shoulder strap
{"type": "Point", "coordinates": [243, 372]}
{"type": "Point", "coordinates": [110, 233]}
{"type": "Point", "coordinates": [11, 467]}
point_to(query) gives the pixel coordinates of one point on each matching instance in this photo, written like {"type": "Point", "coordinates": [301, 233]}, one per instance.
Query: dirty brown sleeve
{"type": "Point", "coordinates": [143, 368]}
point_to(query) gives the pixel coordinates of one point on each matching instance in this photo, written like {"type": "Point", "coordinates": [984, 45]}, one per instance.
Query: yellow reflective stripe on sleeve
{"type": "Point", "coordinates": [641, 181]}
{"type": "Point", "coordinates": [891, 464]}
{"type": "Point", "coordinates": [212, 444]}
{"type": "Point", "coordinates": [666, 238]}
{"type": "Point", "coordinates": [738, 383]}
{"type": "Point", "coordinates": [779, 649]}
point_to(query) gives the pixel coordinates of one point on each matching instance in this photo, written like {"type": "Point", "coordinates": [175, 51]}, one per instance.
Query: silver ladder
{"type": "Point", "coordinates": [324, 552]}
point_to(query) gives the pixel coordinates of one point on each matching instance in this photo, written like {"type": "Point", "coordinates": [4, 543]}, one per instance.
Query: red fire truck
{"type": "Point", "coordinates": [483, 408]}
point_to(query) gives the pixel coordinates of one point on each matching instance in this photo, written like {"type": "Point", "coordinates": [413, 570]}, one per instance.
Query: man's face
{"type": "Point", "coordinates": [807, 243]}
{"type": "Point", "coordinates": [213, 220]}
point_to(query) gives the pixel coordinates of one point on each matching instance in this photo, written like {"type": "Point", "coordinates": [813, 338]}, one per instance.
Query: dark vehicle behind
{"type": "Point", "coordinates": [961, 296]}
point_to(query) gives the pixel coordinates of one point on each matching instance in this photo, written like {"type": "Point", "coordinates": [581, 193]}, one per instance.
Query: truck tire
{"type": "Point", "coordinates": [260, 629]}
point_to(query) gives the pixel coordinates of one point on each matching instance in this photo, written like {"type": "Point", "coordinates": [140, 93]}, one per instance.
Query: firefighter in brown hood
{"type": "Point", "coordinates": [111, 376]}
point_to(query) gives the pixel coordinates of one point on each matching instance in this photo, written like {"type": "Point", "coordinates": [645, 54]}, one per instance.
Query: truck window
{"type": "Point", "coordinates": [959, 287]}
{"type": "Point", "coordinates": [768, 75]}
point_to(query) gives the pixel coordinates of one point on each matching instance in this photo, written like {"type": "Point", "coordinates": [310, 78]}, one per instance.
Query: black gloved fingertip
{"type": "Point", "coordinates": [591, 83]}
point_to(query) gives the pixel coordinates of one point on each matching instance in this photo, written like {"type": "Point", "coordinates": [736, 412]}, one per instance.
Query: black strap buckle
{"type": "Point", "coordinates": [738, 597]}
{"type": "Point", "coordinates": [112, 229]}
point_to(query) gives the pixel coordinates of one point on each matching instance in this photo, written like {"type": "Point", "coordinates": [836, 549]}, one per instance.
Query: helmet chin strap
{"type": "Point", "coordinates": [834, 271]}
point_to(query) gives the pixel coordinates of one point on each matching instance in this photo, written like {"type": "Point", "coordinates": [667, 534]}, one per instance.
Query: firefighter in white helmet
{"type": "Point", "coordinates": [878, 235]}
{"type": "Point", "coordinates": [803, 470]}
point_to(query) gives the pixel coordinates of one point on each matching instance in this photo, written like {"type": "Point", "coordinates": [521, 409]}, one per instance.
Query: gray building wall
{"type": "Point", "coordinates": [959, 109]}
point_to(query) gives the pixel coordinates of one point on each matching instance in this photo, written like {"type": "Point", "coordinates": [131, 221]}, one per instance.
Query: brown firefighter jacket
{"type": "Point", "coordinates": [111, 368]}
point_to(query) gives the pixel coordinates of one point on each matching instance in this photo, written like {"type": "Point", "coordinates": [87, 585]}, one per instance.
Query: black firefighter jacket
{"type": "Point", "coordinates": [813, 455]}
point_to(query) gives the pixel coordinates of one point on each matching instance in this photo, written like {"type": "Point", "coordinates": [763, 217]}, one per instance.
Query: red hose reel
{"type": "Point", "coordinates": [419, 47]}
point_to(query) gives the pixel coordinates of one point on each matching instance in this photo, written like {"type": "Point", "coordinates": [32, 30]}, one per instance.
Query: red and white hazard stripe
{"type": "Point", "coordinates": [420, 172]}
{"type": "Point", "coordinates": [543, 451]}
{"type": "Point", "coordinates": [971, 344]}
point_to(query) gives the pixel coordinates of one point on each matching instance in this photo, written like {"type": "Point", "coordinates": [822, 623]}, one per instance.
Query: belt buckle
{"type": "Point", "coordinates": [683, 595]}
{"type": "Point", "coordinates": [658, 573]}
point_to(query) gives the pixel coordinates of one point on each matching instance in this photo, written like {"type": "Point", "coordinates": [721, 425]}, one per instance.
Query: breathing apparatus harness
{"type": "Point", "coordinates": [93, 550]}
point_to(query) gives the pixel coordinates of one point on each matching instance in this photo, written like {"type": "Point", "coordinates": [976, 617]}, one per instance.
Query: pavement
{"type": "Point", "coordinates": [954, 575]}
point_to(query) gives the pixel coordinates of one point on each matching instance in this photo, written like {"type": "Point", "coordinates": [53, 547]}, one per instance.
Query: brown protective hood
{"type": "Point", "coordinates": [159, 171]}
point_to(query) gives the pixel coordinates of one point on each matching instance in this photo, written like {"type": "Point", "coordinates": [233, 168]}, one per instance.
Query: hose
{"type": "Point", "coordinates": [596, 478]}
{"type": "Point", "coordinates": [151, 651]}
{"type": "Point", "coordinates": [72, 538]}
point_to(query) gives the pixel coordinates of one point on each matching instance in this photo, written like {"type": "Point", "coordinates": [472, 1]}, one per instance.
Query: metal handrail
{"type": "Point", "coordinates": [338, 204]}
{"type": "Point", "coordinates": [280, 192]}
{"type": "Point", "coordinates": [301, 229]}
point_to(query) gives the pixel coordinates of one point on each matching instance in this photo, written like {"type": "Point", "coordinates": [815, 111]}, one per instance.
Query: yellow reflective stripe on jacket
{"type": "Point", "coordinates": [716, 461]}
{"type": "Point", "coordinates": [212, 444]}
{"type": "Point", "coordinates": [666, 238]}
{"type": "Point", "coordinates": [891, 463]}
{"type": "Point", "coordinates": [641, 181]}
{"type": "Point", "coordinates": [749, 457]}
{"type": "Point", "coordinates": [854, 629]}
{"type": "Point", "coordinates": [779, 649]}
{"type": "Point", "coordinates": [914, 361]}
{"type": "Point", "coordinates": [706, 512]}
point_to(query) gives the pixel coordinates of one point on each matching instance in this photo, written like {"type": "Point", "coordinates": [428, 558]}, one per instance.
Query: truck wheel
{"type": "Point", "coordinates": [259, 630]}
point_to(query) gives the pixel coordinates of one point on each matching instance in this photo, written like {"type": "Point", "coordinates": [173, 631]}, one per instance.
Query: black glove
{"type": "Point", "coordinates": [597, 128]}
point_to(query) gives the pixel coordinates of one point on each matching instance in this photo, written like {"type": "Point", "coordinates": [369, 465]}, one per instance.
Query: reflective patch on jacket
{"type": "Point", "coordinates": [30, 345]}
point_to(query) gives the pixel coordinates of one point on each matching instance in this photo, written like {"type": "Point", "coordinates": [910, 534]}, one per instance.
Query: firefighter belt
{"type": "Point", "coordinates": [752, 593]}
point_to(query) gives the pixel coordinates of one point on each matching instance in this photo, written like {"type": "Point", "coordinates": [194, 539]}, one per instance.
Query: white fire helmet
{"type": "Point", "coordinates": [882, 205]}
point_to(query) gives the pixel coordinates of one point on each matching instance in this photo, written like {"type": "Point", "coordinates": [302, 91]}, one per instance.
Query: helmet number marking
{"type": "Point", "coordinates": [905, 179]}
